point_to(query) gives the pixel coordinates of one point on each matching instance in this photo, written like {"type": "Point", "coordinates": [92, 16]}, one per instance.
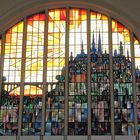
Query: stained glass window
{"type": "Point", "coordinates": [32, 110]}
{"type": "Point", "coordinates": [9, 109]}
{"type": "Point", "coordinates": [11, 75]}
{"type": "Point", "coordinates": [34, 48]}
{"type": "Point", "coordinates": [122, 76]}
{"type": "Point", "coordinates": [137, 74]}
{"type": "Point", "coordinates": [55, 72]}
{"type": "Point", "coordinates": [43, 54]}
{"type": "Point", "coordinates": [100, 91]}
{"type": "Point", "coordinates": [77, 118]}
{"type": "Point", "coordinates": [13, 53]}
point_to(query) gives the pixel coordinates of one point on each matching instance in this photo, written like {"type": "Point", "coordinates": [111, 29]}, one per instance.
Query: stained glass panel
{"type": "Point", "coordinates": [13, 53]}
{"type": "Point", "coordinates": [55, 72]}
{"type": "Point", "coordinates": [34, 48]}
{"type": "Point", "coordinates": [9, 110]}
{"type": "Point", "coordinates": [32, 110]}
{"type": "Point", "coordinates": [77, 104]}
{"type": "Point", "coordinates": [100, 92]}
{"type": "Point", "coordinates": [122, 76]}
{"type": "Point", "coordinates": [56, 48]}
{"type": "Point", "coordinates": [137, 73]}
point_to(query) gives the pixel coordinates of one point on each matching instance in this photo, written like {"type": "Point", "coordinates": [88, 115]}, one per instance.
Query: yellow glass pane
{"type": "Point", "coordinates": [83, 14]}
{"type": "Point", "coordinates": [20, 27]}
{"type": "Point", "coordinates": [51, 26]}
{"type": "Point", "coordinates": [28, 90]}
{"type": "Point", "coordinates": [14, 28]}
{"type": "Point", "coordinates": [114, 26]}
{"type": "Point", "coordinates": [99, 16]}
{"type": "Point", "coordinates": [51, 15]}
{"type": "Point", "coordinates": [136, 42]}
{"type": "Point", "coordinates": [57, 14]}
{"type": "Point", "coordinates": [104, 17]}
{"type": "Point", "coordinates": [35, 25]}
{"type": "Point", "coordinates": [41, 26]}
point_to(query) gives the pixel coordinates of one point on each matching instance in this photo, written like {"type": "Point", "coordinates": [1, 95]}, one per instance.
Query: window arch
{"type": "Point", "coordinates": [61, 58]}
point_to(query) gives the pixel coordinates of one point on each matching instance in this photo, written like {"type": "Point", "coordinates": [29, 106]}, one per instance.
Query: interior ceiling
{"type": "Point", "coordinates": [127, 9]}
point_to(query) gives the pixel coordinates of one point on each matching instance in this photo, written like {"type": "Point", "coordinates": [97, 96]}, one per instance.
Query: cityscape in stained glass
{"type": "Point", "coordinates": [41, 56]}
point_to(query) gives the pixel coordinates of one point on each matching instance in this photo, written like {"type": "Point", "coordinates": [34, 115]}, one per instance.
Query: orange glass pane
{"type": "Point", "coordinates": [93, 15]}
{"type": "Point", "coordinates": [104, 17]}
{"type": "Point", "coordinates": [36, 17]}
{"type": "Point", "coordinates": [120, 27]}
{"type": "Point", "coordinates": [28, 90]}
{"type": "Point", "coordinates": [99, 16]}
{"type": "Point", "coordinates": [8, 38]}
{"type": "Point", "coordinates": [83, 14]}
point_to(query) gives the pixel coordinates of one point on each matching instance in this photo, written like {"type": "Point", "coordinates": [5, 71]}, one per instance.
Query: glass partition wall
{"type": "Point", "coordinates": [42, 38]}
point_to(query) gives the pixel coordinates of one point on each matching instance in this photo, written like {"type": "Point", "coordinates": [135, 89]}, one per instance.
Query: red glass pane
{"type": "Point", "coordinates": [63, 14]}
{"type": "Point", "coordinates": [120, 27]}
{"type": "Point", "coordinates": [42, 17]}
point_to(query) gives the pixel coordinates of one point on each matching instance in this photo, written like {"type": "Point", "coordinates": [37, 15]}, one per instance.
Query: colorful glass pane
{"type": "Point", "coordinates": [137, 74]}
{"type": "Point", "coordinates": [13, 53]}
{"type": "Point", "coordinates": [35, 48]}
{"type": "Point", "coordinates": [55, 72]}
{"type": "Point", "coordinates": [32, 110]}
{"type": "Point", "coordinates": [77, 99]}
{"type": "Point", "coordinates": [122, 76]}
{"type": "Point", "coordinates": [9, 110]}
{"type": "Point", "coordinates": [100, 89]}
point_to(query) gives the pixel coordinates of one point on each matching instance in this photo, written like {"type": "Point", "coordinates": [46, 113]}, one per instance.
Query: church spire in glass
{"type": "Point", "coordinates": [99, 44]}
{"type": "Point", "coordinates": [93, 49]}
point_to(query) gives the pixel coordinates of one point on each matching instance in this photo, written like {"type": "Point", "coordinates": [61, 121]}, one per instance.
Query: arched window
{"type": "Point", "coordinates": [69, 71]}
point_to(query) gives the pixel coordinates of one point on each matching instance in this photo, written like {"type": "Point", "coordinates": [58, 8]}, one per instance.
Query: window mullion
{"type": "Point", "coordinates": [111, 77]}
{"type": "Point", "coordinates": [134, 83]}
{"type": "Point", "coordinates": [22, 76]}
{"type": "Point", "coordinates": [44, 73]}
{"type": "Point", "coordinates": [88, 74]}
{"type": "Point", "coordinates": [66, 71]}
{"type": "Point", "coordinates": [2, 62]}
